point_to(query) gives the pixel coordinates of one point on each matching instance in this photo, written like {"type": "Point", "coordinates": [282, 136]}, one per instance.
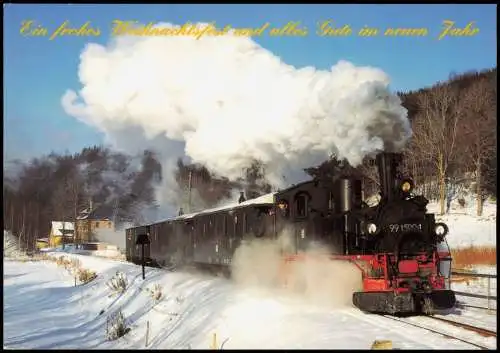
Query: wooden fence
{"type": "Point", "coordinates": [489, 297]}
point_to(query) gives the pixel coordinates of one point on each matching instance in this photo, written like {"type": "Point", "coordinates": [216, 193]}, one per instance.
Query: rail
{"type": "Point", "coordinates": [447, 334]}
{"type": "Point", "coordinates": [488, 296]}
{"type": "Point", "coordinates": [472, 274]}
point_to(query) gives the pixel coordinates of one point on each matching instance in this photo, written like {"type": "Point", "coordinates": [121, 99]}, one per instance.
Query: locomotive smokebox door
{"type": "Point", "coordinates": [142, 240]}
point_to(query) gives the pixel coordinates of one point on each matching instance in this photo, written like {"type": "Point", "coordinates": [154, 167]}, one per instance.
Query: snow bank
{"type": "Point", "coordinates": [44, 310]}
{"type": "Point", "coordinates": [465, 228]}
{"type": "Point", "coordinates": [489, 270]}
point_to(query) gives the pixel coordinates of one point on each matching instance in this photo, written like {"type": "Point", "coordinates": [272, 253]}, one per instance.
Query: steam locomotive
{"type": "Point", "coordinates": [395, 244]}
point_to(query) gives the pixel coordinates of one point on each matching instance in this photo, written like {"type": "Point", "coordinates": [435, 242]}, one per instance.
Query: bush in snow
{"type": "Point", "coordinates": [11, 247]}
{"type": "Point", "coordinates": [474, 255]}
{"type": "Point", "coordinates": [64, 262]}
{"type": "Point", "coordinates": [41, 257]}
{"type": "Point", "coordinates": [156, 292]}
{"type": "Point", "coordinates": [61, 261]}
{"type": "Point", "coordinates": [75, 263]}
{"type": "Point", "coordinates": [116, 326]}
{"type": "Point", "coordinates": [85, 276]}
{"type": "Point", "coordinates": [118, 283]}
{"type": "Point", "coordinates": [74, 267]}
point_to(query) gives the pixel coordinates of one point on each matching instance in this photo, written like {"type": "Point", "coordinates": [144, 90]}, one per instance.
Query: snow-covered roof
{"type": "Point", "coordinates": [267, 199]}
{"type": "Point", "coordinates": [83, 214]}
{"type": "Point", "coordinates": [103, 212]}
{"type": "Point", "coordinates": [58, 227]}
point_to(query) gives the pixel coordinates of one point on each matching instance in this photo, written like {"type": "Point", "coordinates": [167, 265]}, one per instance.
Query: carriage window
{"type": "Point", "coordinates": [301, 206]}
{"type": "Point", "coordinates": [220, 225]}
{"type": "Point", "coordinates": [283, 208]}
{"type": "Point", "coordinates": [264, 211]}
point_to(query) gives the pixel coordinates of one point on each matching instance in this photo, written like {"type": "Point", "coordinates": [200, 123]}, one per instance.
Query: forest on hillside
{"type": "Point", "coordinates": [454, 143]}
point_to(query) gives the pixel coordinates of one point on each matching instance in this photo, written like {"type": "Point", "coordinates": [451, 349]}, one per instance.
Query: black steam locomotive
{"type": "Point", "coordinates": [394, 244]}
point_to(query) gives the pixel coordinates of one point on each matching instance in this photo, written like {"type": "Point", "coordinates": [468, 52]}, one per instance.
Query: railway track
{"type": "Point", "coordinates": [481, 331]}
{"type": "Point", "coordinates": [465, 305]}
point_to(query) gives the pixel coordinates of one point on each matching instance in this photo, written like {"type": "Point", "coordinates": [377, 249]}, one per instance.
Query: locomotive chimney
{"type": "Point", "coordinates": [242, 197]}
{"type": "Point", "coordinates": [387, 164]}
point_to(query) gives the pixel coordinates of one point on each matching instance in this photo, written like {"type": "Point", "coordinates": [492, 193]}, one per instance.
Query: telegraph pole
{"type": "Point", "coordinates": [63, 232]}
{"type": "Point", "coordinates": [89, 223]}
{"type": "Point", "coordinates": [189, 190]}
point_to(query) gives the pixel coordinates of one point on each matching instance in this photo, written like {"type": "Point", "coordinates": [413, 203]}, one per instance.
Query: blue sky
{"type": "Point", "coordinates": [38, 71]}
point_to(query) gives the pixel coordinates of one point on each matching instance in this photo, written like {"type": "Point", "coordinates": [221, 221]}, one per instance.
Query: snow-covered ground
{"type": "Point", "coordinates": [480, 286]}
{"type": "Point", "coordinates": [465, 228]}
{"type": "Point", "coordinates": [43, 309]}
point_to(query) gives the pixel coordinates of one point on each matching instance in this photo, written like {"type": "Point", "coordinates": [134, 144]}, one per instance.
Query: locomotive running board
{"type": "Point", "coordinates": [397, 303]}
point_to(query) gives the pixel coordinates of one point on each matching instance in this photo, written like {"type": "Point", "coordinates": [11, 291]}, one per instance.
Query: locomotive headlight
{"type": "Point", "coordinates": [406, 185]}
{"type": "Point", "coordinates": [441, 229]}
{"type": "Point", "coordinates": [371, 228]}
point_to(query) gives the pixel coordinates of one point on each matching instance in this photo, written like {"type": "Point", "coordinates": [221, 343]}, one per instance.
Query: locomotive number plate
{"type": "Point", "coordinates": [405, 227]}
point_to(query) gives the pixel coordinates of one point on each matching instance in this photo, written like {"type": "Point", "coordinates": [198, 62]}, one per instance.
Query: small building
{"type": "Point", "coordinates": [90, 220]}
{"type": "Point", "coordinates": [61, 232]}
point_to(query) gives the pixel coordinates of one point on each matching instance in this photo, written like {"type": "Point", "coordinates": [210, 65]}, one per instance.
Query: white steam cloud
{"type": "Point", "coordinates": [316, 278]}
{"type": "Point", "coordinates": [112, 236]}
{"type": "Point", "coordinates": [231, 101]}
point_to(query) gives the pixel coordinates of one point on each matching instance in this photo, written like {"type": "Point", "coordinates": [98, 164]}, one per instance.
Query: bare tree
{"type": "Point", "coordinates": [370, 177]}
{"type": "Point", "coordinates": [75, 188]}
{"type": "Point", "coordinates": [22, 227]}
{"type": "Point", "coordinates": [417, 168]}
{"type": "Point", "coordinates": [61, 204]}
{"type": "Point", "coordinates": [437, 124]}
{"type": "Point", "coordinates": [480, 131]}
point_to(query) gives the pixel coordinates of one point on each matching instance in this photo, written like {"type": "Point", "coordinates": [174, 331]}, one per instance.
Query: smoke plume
{"type": "Point", "coordinates": [229, 101]}
{"type": "Point", "coordinates": [316, 278]}
{"type": "Point", "coordinates": [112, 236]}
